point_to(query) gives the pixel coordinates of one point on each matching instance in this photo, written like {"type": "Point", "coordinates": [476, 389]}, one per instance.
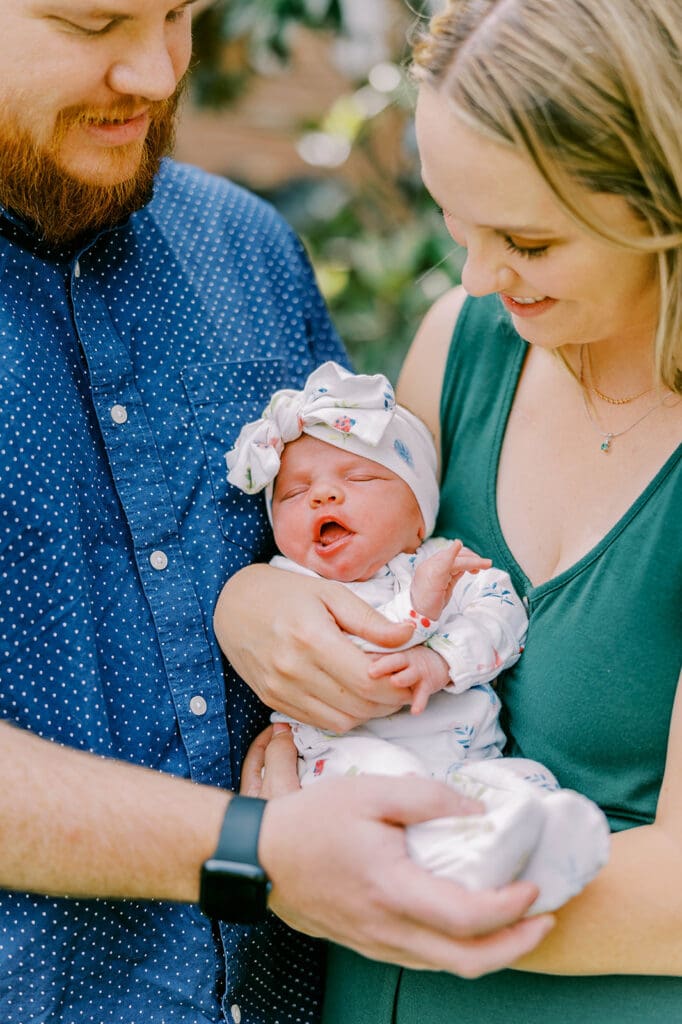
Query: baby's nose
{"type": "Point", "coordinates": [325, 494]}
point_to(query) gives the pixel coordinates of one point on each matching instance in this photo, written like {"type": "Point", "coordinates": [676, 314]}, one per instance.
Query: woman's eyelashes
{"type": "Point", "coordinates": [528, 251]}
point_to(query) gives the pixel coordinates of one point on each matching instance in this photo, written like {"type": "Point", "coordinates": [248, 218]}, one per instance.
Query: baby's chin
{"type": "Point", "coordinates": [345, 574]}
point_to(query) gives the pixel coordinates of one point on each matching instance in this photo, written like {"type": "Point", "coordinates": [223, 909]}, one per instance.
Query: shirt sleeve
{"type": "Point", "coordinates": [482, 630]}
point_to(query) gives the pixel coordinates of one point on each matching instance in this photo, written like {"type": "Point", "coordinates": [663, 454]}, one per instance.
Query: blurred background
{"type": "Point", "coordinates": [309, 104]}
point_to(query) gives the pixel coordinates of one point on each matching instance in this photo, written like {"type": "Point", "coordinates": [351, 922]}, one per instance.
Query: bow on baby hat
{"type": "Point", "coordinates": [355, 412]}
{"type": "Point", "coordinates": [347, 403]}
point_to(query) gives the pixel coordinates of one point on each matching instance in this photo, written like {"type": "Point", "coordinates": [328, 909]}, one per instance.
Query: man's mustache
{"type": "Point", "coordinates": [72, 117]}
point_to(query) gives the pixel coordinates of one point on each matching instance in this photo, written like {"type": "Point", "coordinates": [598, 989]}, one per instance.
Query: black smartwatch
{"type": "Point", "coordinates": [234, 886]}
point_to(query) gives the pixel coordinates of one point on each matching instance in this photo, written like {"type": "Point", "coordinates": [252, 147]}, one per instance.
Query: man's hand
{"type": "Point", "coordinates": [302, 664]}
{"type": "Point", "coordinates": [336, 854]}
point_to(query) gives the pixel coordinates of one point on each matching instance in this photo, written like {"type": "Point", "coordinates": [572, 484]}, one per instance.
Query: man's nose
{"type": "Point", "coordinates": [150, 69]}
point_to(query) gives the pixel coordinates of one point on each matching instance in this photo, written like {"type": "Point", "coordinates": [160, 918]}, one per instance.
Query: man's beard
{"type": "Point", "coordinates": [55, 203]}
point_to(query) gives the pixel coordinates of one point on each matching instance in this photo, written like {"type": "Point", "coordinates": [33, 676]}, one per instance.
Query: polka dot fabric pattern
{"type": "Point", "coordinates": [127, 368]}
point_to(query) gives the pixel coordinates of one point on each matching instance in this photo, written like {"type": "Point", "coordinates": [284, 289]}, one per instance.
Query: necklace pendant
{"type": "Point", "coordinates": [605, 446]}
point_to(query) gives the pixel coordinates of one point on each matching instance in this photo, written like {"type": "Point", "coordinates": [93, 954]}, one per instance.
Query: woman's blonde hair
{"type": "Point", "coordinates": [591, 91]}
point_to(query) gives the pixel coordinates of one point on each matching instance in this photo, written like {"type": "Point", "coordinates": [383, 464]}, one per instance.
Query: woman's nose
{"type": "Point", "coordinates": [485, 271]}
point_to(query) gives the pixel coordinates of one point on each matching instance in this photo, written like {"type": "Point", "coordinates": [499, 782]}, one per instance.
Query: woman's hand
{"type": "Point", "coordinates": [269, 768]}
{"type": "Point", "coordinates": [302, 664]}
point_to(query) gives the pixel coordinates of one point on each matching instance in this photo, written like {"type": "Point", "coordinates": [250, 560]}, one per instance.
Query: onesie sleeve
{"type": "Point", "coordinates": [482, 630]}
{"type": "Point", "coordinates": [398, 608]}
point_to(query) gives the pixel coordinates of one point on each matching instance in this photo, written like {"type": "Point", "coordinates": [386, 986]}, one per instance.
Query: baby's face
{"type": "Point", "coordinates": [339, 514]}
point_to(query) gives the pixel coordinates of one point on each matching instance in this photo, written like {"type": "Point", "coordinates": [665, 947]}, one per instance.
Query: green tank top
{"type": "Point", "coordinates": [591, 697]}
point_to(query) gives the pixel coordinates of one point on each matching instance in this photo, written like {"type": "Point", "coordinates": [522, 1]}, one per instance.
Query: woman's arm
{"type": "Point", "coordinates": [629, 919]}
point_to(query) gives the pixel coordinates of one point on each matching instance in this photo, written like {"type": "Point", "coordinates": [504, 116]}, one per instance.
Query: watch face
{"type": "Point", "coordinates": [234, 892]}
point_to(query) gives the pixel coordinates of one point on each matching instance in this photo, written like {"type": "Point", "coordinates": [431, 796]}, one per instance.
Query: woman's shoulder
{"type": "Point", "coordinates": [443, 314]}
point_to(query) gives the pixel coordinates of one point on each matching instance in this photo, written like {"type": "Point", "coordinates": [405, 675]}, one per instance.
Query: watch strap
{"type": "Point", "coordinates": [233, 885]}
{"type": "Point", "coordinates": [238, 840]}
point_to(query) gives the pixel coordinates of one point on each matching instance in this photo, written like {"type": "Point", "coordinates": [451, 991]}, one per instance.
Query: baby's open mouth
{"type": "Point", "coordinates": [331, 531]}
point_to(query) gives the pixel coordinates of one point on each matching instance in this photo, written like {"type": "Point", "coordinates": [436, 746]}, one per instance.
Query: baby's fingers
{"type": "Point", "coordinates": [387, 664]}
{"type": "Point", "coordinates": [406, 679]}
{"type": "Point", "coordinates": [420, 698]}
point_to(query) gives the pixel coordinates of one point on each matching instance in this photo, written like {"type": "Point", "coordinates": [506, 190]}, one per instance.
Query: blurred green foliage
{"type": "Point", "coordinates": [378, 278]}
{"type": "Point", "coordinates": [378, 244]}
{"type": "Point", "coordinates": [262, 31]}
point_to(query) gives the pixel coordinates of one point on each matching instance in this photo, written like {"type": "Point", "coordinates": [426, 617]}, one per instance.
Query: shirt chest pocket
{"type": "Point", "coordinates": [223, 397]}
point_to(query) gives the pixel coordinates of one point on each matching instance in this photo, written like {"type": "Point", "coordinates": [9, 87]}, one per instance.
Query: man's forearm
{"type": "Point", "coordinates": [74, 824]}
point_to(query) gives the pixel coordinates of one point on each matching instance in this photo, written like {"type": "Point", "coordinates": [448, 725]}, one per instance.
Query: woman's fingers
{"type": "Point", "coordinates": [252, 769]}
{"type": "Point", "coordinates": [270, 766]}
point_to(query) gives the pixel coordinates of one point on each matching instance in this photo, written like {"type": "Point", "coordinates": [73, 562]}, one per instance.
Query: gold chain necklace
{"type": "Point", "coordinates": [608, 436]}
{"type": "Point", "coordinates": [592, 386]}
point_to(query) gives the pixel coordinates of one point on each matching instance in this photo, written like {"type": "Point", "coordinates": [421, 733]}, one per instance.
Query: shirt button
{"type": "Point", "coordinates": [159, 560]}
{"type": "Point", "coordinates": [236, 1014]}
{"type": "Point", "coordinates": [77, 269]}
{"type": "Point", "coordinates": [119, 413]}
{"type": "Point", "coordinates": [198, 705]}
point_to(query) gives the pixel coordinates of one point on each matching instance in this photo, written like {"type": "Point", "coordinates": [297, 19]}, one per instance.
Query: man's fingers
{"type": "Point", "coordinates": [417, 800]}
{"type": "Point", "coordinates": [468, 958]}
{"type": "Point", "coordinates": [392, 909]}
{"type": "Point", "coordinates": [459, 912]}
{"type": "Point", "coordinates": [270, 766]}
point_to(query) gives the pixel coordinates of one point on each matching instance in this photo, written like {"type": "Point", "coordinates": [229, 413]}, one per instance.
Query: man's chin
{"type": "Point", "coordinates": [113, 168]}
{"type": "Point", "coordinates": [64, 201]}
{"type": "Point", "coordinates": [65, 209]}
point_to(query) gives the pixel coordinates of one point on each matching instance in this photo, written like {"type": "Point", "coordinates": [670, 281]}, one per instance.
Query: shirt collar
{"type": "Point", "coordinates": [21, 233]}
{"type": "Point", "coordinates": [18, 231]}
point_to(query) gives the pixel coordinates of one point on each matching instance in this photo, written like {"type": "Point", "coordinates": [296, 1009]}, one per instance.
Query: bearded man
{"type": "Point", "coordinates": [147, 310]}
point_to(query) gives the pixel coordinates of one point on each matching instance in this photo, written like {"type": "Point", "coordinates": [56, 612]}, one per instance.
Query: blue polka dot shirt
{"type": "Point", "coordinates": [127, 368]}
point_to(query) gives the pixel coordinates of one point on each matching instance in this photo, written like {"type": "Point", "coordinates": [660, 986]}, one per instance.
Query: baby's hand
{"type": "Point", "coordinates": [418, 671]}
{"type": "Point", "coordinates": [435, 578]}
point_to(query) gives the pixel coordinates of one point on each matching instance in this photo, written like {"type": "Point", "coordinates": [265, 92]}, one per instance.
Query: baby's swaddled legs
{"type": "Point", "coordinates": [574, 837]}
{"type": "Point", "coordinates": [480, 851]}
{"type": "Point", "coordinates": [477, 851]}
{"type": "Point", "coordinates": [530, 829]}
{"type": "Point", "coordinates": [334, 756]}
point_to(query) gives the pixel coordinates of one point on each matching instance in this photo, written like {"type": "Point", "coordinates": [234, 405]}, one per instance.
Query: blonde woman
{"type": "Point", "coordinates": [550, 134]}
